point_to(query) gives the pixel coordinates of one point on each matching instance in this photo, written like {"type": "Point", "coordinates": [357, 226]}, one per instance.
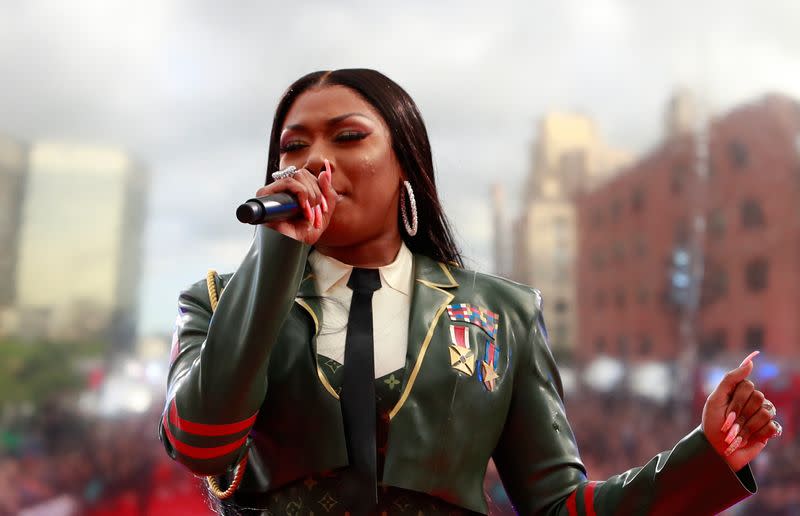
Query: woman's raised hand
{"type": "Point", "coordinates": [317, 200]}
{"type": "Point", "coordinates": [737, 419]}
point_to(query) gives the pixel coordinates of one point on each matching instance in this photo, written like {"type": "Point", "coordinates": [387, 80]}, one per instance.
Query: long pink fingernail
{"type": "Point", "coordinates": [734, 446]}
{"type": "Point", "coordinates": [728, 421]}
{"type": "Point", "coordinates": [328, 166]}
{"type": "Point", "coordinates": [307, 209]}
{"type": "Point", "coordinates": [324, 204]}
{"type": "Point", "coordinates": [732, 433]}
{"type": "Point", "coordinates": [750, 357]}
{"type": "Point", "coordinates": [317, 217]}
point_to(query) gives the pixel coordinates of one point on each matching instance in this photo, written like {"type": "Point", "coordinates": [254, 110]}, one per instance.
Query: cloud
{"type": "Point", "coordinates": [189, 87]}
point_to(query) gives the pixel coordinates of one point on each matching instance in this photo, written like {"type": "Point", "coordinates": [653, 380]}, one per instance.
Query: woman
{"type": "Point", "coordinates": [351, 349]}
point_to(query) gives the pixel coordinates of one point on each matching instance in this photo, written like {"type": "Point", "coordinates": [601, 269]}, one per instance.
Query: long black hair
{"type": "Point", "coordinates": [410, 143]}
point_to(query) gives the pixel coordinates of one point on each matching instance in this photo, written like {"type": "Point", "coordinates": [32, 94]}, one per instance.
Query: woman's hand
{"type": "Point", "coordinates": [317, 200]}
{"type": "Point", "coordinates": [737, 419]}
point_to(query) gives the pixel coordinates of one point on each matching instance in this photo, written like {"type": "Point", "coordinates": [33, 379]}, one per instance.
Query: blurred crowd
{"type": "Point", "coordinates": [60, 462]}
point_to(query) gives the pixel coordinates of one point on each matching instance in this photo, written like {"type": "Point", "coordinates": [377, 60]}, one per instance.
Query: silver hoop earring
{"type": "Point", "coordinates": [411, 229]}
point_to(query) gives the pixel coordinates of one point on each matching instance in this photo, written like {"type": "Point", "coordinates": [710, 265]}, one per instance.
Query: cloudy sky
{"type": "Point", "coordinates": [189, 88]}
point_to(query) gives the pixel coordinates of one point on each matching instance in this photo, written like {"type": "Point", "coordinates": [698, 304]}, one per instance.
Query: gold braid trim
{"type": "Point", "coordinates": [238, 472]}
{"type": "Point", "coordinates": [211, 282]}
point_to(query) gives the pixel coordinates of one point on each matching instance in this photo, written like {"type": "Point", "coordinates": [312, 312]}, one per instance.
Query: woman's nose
{"type": "Point", "coordinates": [315, 165]}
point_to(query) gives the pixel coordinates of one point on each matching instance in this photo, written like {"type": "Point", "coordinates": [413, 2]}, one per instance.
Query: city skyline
{"type": "Point", "coordinates": [191, 91]}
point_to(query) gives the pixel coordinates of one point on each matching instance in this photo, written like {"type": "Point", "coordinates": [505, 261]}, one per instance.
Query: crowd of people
{"type": "Point", "coordinates": [60, 462]}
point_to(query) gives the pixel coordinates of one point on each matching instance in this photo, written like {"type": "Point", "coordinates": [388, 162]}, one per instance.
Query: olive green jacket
{"type": "Point", "coordinates": [246, 376]}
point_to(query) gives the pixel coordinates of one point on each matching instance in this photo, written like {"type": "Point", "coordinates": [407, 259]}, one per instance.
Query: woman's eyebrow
{"type": "Point", "coordinates": [333, 121]}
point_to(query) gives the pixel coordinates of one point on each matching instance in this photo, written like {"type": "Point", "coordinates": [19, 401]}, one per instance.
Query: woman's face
{"type": "Point", "coordinates": [335, 123]}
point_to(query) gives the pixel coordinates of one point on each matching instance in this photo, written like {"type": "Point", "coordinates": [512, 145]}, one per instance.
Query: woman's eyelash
{"type": "Point", "coordinates": [347, 136]}
{"type": "Point", "coordinates": [291, 146]}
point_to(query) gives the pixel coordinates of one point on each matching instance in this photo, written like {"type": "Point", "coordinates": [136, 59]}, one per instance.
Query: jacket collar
{"type": "Point", "coordinates": [429, 299]}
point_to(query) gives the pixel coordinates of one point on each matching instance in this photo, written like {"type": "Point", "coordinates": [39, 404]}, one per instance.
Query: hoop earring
{"type": "Point", "coordinates": [411, 229]}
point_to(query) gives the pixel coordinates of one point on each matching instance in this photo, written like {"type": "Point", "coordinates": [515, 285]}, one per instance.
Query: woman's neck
{"type": "Point", "coordinates": [370, 254]}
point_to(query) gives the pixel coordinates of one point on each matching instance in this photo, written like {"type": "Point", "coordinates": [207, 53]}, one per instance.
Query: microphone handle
{"type": "Point", "coordinates": [269, 208]}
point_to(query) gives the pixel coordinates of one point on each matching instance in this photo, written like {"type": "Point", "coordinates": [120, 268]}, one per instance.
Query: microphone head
{"type": "Point", "coordinates": [249, 212]}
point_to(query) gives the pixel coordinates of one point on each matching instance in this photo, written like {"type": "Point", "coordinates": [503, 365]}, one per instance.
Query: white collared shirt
{"type": "Point", "coordinates": [391, 306]}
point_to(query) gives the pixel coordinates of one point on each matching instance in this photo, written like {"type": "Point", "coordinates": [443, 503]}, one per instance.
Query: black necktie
{"type": "Point", "coordinates": [358, 389]}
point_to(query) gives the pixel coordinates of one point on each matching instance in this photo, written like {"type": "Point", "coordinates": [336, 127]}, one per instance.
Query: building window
{"type": "Point", "coordinates": [715, 284]}
{"type": "Point", "coordinates": [622, 345]}
{"type": "Point", "coordinates": [646, 345]}
{"type": "Point", "coordinates": [597, 218]}
{"type": "Point", "coordinates": [716, 224]}
{"type": "Point", "coordinates": [600, 299]}
{"type": "Point", "coordinates": [598, 259]}
{"type": "Point", "coordinates": [682, 231]}
{"type": "Point", "coordinates": [713, 343]}
{"type": "Point", "coordinates": [619, 251]}
{"type": "Point", "coordinates": [643, 296]}
{"type": "Point", "coordinates": [616, 210]}
{"type": "Point", "coordinates": [560, 306]}
{"type": "Point", "coordinates": [738, 154]}
{"type": "Point", "coordinates": [600, 344]}
{"type": "Point", "coordinates": [756, 274]}
{"type": "Point", "coordinates": [752, 215]}
{"type": "Point", "coordinates": [754, 338]}
{"type": "Point", "coordinates": [619, 298]}
{"type": "Point", "coordinates": [639, 246]}
{"type": "Point", "coordinates": [637, 200]}
{"type": "Point", "coordinates": [678, 181]}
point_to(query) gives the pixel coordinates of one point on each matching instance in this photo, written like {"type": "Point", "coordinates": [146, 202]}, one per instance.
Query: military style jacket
{"type": "Point", "coordinates": [480, 383]}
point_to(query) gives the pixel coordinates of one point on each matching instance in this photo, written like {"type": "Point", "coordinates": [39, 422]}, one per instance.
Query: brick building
{"type": "Point", "coordinates": [637, 231]}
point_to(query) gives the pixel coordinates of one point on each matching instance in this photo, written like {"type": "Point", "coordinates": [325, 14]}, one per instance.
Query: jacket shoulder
{"type": "Point", "coordinates": [509, 292]}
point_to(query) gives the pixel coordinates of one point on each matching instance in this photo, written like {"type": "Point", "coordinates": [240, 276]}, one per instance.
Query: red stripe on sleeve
{"type": "Point", "coordinates": [196, 452]}
{"type": "Point", "coordinates": [571, 507]}
{"type": "Point", "coordinates": [588, 498]}
{"type": "Point", "coordinates": [208, 430]}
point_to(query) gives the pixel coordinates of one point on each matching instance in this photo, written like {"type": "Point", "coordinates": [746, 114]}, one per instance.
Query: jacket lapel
{"type": "Point", "coordinates": [308, 299]}
{"type": "Point", "coordinates": [429, 300]}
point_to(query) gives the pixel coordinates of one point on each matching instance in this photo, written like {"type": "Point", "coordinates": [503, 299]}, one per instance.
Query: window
{"type": "Point", "coordinates": [715, 284]}
{"type": "Point", "coordinates": [598, 259]}
{"type": "Point", "coordinates": [716, 224]}
{"type": "Point", "coordinates": [643, 296]}
{"type": "Point", "coordinates": [600, 299]}
{"type": "Point", "coordinates": [645, 345]}
{"type": "Point", "coordinates": [682, 231]}
{"type": "Point", "coordinates": [597, 218]}
{"type": "Point", "coordinates": [752, 215]}
{"type": "Point", "coordinates": [738, 154]}
{"type": "Point", "coordinates": [637, 200]}
{"type": "Point", "coordinates": [560, 306]}
{"type": "Point", "coordinates": [678, 181]}
{"type": "Point", "coordinates": [616, 210]}
{"type": "Point", "coordinates": [619, 251]}
{"type": "Point", "coordinates": [754, 338]}
{"type": "Point", "coordinates": [600, 344]}
{"type": "Point", "coordinates": [619, 298]}
{"type": "Point", "coordinates": [622, 345]}
{"type": "Point", "coordinates": [756, 274]}
{"type": "Point", "coordinates": [639, 246]}
{"type": "Point", "coordinates": [713, 343]}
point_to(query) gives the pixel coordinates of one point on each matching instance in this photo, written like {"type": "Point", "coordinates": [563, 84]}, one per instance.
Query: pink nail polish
{"type": "Point", "coordinates": [307, 210]}
{"type": "Point", "coordinates": [732, 433]}
{"type": "Point", "coordinates": [317, 216]}
{"type": "Point", "coordinates": [750, 357]}
{"type": "Point", "coordinates": [328, 167]}
{"type": "Point", "coordinates": [324, 205]}
{"type": "Point", "coordinates": [734, 446]}
{"type": "Point", "coordinates": [728, 421]}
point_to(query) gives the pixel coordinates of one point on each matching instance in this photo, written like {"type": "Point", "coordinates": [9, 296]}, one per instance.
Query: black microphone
{"type": "Point", "coordinates": [269, 208]}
